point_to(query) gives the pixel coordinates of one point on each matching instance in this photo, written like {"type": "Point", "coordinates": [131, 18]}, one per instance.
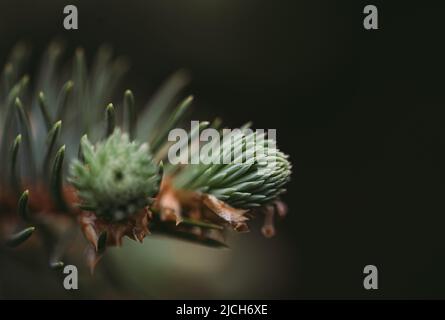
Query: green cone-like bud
{"type": "Point", "coordinates": [258, 178]}
{"type": "Point", "coordinates": [116, 178]}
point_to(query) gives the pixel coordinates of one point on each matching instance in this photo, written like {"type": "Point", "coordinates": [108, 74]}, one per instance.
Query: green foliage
{"type": "Point", "coordinates": [116, 178]}
{"type": "Point", "coordinates": [20, 237]}
{"type": "Point", "coordinates": [253, 177]}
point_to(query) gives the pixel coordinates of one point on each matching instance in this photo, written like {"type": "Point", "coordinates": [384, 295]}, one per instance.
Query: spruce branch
{"type": "Point", "coordinates": [121, 184]}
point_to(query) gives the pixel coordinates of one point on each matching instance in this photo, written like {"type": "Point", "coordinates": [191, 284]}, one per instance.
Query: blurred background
{"type": "Point", "coordinates": [361, 114]}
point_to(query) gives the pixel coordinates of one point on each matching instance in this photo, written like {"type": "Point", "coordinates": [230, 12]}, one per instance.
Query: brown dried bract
{"type": "Point", "coordinates": [134, 227]}
{"type": "Point", "coordinates": [168, 203]}
{"type": "Point", "coordinates": [235, 217]}
{"type": "Point", "coordinates": [270, 210]}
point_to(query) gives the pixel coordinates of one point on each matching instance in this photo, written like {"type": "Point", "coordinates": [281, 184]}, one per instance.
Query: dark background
{"type": "Point", "coordinates": [360, 113]}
